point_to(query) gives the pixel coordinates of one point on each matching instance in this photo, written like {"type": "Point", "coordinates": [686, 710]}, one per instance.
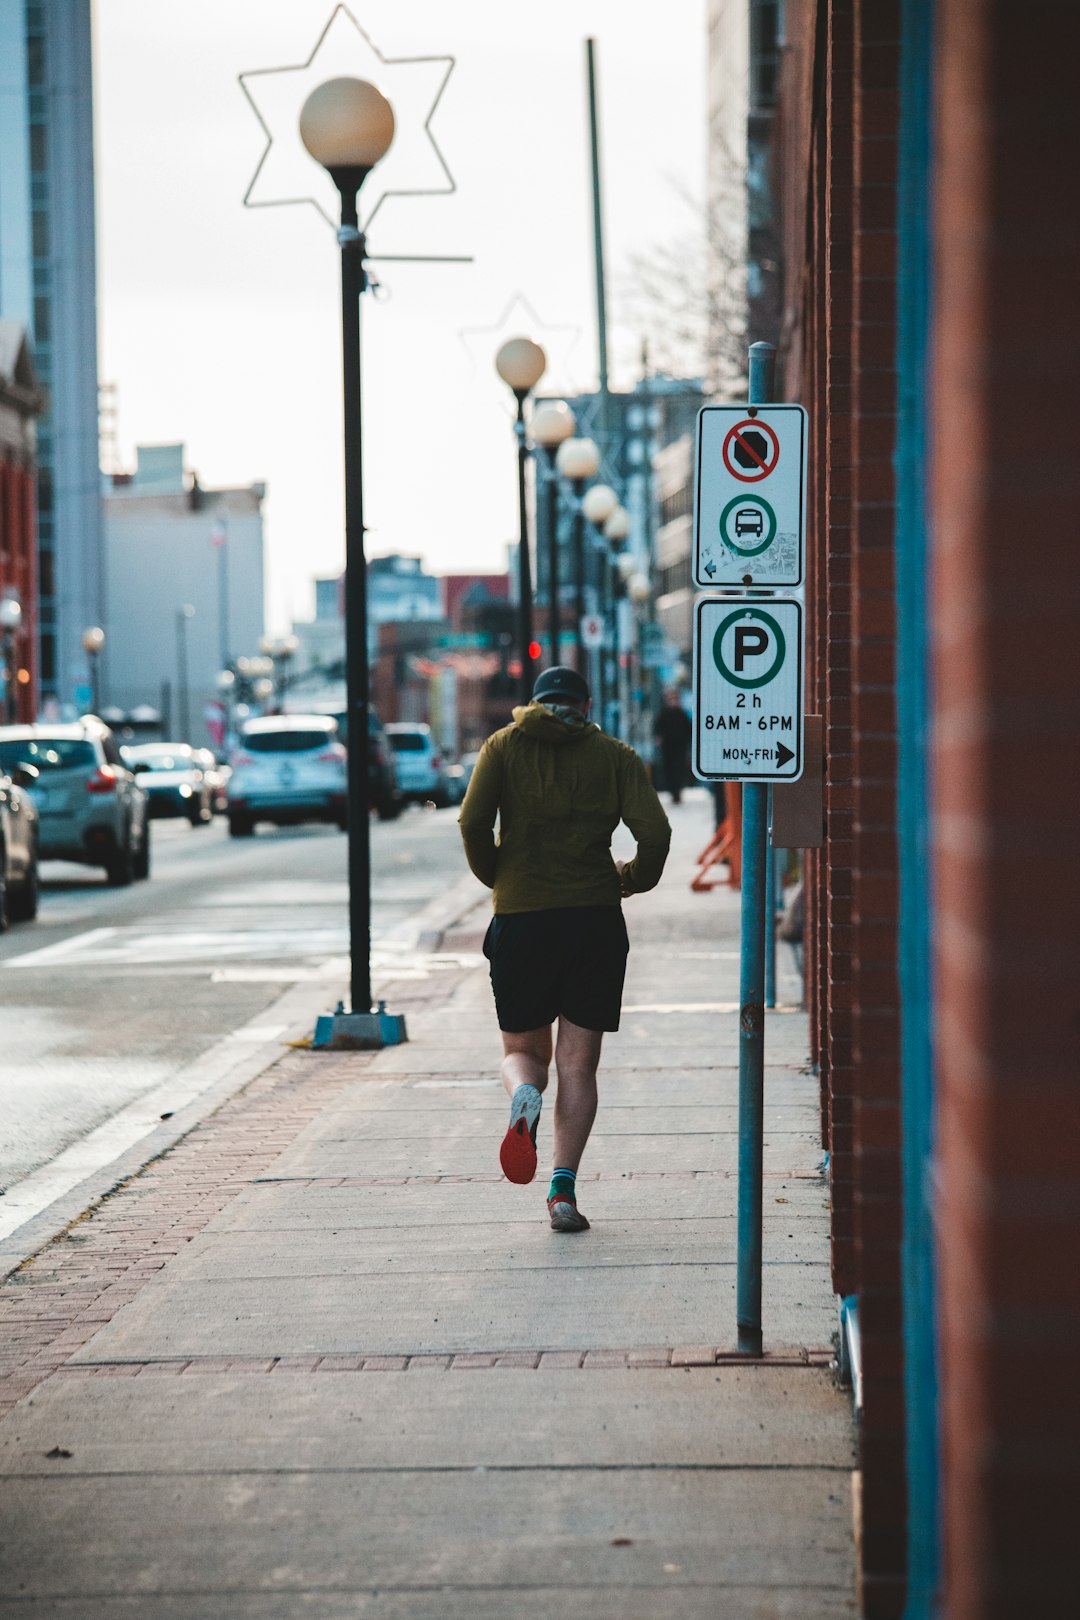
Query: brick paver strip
{"type": "Point", "coordinates": [54, 1304]}
{"type": "Point", "coordinates": [605, 1358]}
{"type": "Point", "coordinates": [654, 1355]}
{"type": "Point", "coordinates": [646, 1356]}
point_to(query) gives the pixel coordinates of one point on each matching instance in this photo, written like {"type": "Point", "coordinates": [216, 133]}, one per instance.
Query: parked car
{"type": "Point", "coordinates": [217, 774]}
{"type": "Point", "coordinates": [172, 776]}
{"type": "Point", "coordinates": [387, 799]}
{"type": "Point", "coordinates": [458, 777]}
{"type": "Point", "coordinates": [90, 806]}
{"type": "Point", "coordinates": [419, 764]}
{"type": "Point", "coordinates": [288, 768]}
{"type": "Point", "coordinates": [18, 846]}
{"type": "Point", "coordinates": [384, 791]}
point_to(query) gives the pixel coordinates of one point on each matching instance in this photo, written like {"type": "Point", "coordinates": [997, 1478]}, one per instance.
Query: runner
{"type": "Point", "coordinates": [557, 943]}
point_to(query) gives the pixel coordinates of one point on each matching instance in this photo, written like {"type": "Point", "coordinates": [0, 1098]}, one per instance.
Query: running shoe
{"type": "Point", "coordinates": [518, 1152]}
{"type": "Point", "coordinates": [565, 1215]}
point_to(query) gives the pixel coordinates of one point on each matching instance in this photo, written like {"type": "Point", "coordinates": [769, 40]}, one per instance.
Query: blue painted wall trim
{"type": "Point", "coordinates": [914, 260]}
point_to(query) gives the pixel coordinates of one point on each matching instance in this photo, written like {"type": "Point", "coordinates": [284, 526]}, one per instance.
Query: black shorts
{"type": "Point", "coordinates": [569, 962]}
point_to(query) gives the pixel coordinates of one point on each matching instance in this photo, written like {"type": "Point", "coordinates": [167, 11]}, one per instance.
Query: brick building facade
{"type": "Point", "coordinates": [21, 401]}
{"type": "Point", "coordinates": [929, 324]}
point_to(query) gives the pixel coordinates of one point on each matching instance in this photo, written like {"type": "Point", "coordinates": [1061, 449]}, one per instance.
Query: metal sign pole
{"type": "Point", "coordinates": [752, 998]}
{"type": "Point", "coordinates": [770, 918]}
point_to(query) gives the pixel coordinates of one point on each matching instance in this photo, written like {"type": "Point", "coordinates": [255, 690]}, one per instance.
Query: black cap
{"type": "Point", "coordinates": [561, 682]}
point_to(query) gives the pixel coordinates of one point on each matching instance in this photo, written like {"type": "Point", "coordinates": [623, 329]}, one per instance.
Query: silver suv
{"type": "Point", "coordinates": [90, 806]}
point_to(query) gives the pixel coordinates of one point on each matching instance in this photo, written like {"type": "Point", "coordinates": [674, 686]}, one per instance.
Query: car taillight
{"type": "Point", "coordinates": [242, 759]}
{"type": "Point", "coordinates": [436, 761]}
{"type": "Point", "coordinates": [330, 756]}
{"type": "Point", "coordinates": [378, 756]}
{"type": "Point", "coordinates": [102, 781]}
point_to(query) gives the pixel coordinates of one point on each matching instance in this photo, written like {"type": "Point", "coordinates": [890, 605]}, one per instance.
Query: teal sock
{"type": "Point", "coordinates": [563, 1183]}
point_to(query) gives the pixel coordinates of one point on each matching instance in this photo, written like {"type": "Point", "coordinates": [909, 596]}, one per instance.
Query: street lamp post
{"type": "Point", "coordinates": [639, 590]}
{"type": "Point", "coordinates": [520, 363]}
{"type": "Point", "coordinates": [347, 125]}
{"type": "Point", "coordinates": [281, 650]}
{"type": "Point", "coordinates": [616, 532]}
{"type": "Point", "coordinates": [183, 614]}
{"type": "Point", "coordinates": [578, 460]}
{"type": "Point", "coordinates": [10, 622]}
{"type": "Point", "coordinates": [225, 681]}
{"type": "Point", "coordinates": [552, 425]}
{"type": "Point", "coordinates": [598, 504]}
{"type": "Point", "coordinates": [93, 639]}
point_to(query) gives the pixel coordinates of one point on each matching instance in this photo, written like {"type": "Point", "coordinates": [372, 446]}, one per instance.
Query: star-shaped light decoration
{"type": "Point", "coordinates": [414, 165]}
{"type": "Point", "coordinates": [519, 319]}
{"type": "Point", "coordinates": [587, 413]}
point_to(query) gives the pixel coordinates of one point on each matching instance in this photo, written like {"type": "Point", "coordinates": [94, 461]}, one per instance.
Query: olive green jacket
{"type": "Point", "coordinates": [559, 787]}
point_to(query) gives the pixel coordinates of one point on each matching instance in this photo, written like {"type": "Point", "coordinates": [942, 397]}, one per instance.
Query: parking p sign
{"type": "Point", "coordinates": [748, 660]}
{"type": "Point", "coordinates": [750, 497]}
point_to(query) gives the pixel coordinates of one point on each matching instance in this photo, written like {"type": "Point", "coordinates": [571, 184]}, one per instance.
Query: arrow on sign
{"type": "Point", "coordinates": [783, 754]}
{"type": "Point", "coordinates": [710, 569]}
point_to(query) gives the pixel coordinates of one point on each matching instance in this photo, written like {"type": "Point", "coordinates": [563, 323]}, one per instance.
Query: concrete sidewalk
{"type": "Point", "coordinates": [321, 1359]}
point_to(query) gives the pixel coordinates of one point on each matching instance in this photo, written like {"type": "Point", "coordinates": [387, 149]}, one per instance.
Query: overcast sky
{"type": "Point", "coordinates": [220, 325]}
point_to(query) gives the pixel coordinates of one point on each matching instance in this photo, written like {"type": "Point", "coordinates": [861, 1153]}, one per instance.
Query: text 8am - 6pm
{"type": "Point", "coordinates": [748, 722]}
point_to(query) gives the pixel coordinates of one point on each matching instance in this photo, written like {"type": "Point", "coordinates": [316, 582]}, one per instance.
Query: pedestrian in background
{"type": "Point", "coordinates": [672, 734]}
{"type": "Point", "coordinates": [557, 943]}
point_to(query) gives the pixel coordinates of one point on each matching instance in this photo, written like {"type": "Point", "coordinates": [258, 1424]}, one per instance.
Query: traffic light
{"type": "Point", "coordinates": [534, 651]}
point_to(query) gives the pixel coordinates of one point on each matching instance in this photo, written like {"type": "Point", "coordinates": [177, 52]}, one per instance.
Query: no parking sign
{"type": "Point", "coordinates": [750, 497]}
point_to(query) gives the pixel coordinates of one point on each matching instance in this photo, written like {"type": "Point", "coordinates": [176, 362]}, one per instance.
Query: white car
{"type": "Point", "coordinates": [287, 768]}
{"type": "Point", "coordinates": [419, 764]}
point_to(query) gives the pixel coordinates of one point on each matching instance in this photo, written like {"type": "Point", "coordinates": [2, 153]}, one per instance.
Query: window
{"type": "Point", "coordinates": [676, 577]}
{"type": "Point", "coordinates": [47, 754]}
{"type": "Point", "coordinates": [764, 54]}
{"type": "Point", "coordinates": [285, 742]}
{"type": "Point", "coordinates": [39, 149]}
{"type": "Point", "coordinates": [679, 503]}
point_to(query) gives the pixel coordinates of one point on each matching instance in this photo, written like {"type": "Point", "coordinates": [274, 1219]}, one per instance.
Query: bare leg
{"type": "Point", "coordinates": [577, 1054]}
{"type": "Point", "coordinates": [526, 1060]}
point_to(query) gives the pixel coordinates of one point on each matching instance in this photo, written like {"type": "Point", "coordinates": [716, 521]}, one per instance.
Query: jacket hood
{"type": "Point", "coordinates": [557, 725]}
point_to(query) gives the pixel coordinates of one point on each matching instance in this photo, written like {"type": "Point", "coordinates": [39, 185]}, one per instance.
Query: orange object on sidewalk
{"type": "Point", "coordinates": [725, 845]}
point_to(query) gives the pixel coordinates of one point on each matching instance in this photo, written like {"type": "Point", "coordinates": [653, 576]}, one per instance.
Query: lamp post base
{"type": "Point", "coordinates": [359, 1031]}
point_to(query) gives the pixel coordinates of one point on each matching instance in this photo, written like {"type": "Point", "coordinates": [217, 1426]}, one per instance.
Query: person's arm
{"type": "Point", "coordinates": [644, 815]}
{"type": "Point", "coordinates": [479, 809]}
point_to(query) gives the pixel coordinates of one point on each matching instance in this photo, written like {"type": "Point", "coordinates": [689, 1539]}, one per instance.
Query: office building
{"type": "Point", "coordinates": [171, 544]}
{"type": "Point", "coordinates": [20, 404]}
{"type": "Point", "coordinates": [48, 283]}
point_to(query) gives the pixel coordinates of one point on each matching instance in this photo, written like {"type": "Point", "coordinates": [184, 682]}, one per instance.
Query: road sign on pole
{"type": "Point", "coordinates": [750, 497]}
{"type": "Point", "coordinates": [592, 632]}
{"type": "Point", "coordinates": [748, 660]}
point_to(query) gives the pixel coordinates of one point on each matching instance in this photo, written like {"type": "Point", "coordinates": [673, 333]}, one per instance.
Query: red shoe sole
{"type": "Point", "coordinates": [517, 1154]}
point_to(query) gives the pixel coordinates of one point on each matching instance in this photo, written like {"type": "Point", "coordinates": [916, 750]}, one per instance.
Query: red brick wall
{"type": "Point", "coordinates": [875, 1028]}
{"type": "Point", "coordinates": [18, 569]}
{"type": "Point", "coordinates": [836, 409]}
{"type": "Point", "coordinates": [1006, 516]}
{"type": "Point", "coordinates": [838, 173]}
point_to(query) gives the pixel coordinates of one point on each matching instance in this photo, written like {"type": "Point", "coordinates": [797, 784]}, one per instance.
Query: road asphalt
{"type": "Point", "coordinates": [319, 1358]}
